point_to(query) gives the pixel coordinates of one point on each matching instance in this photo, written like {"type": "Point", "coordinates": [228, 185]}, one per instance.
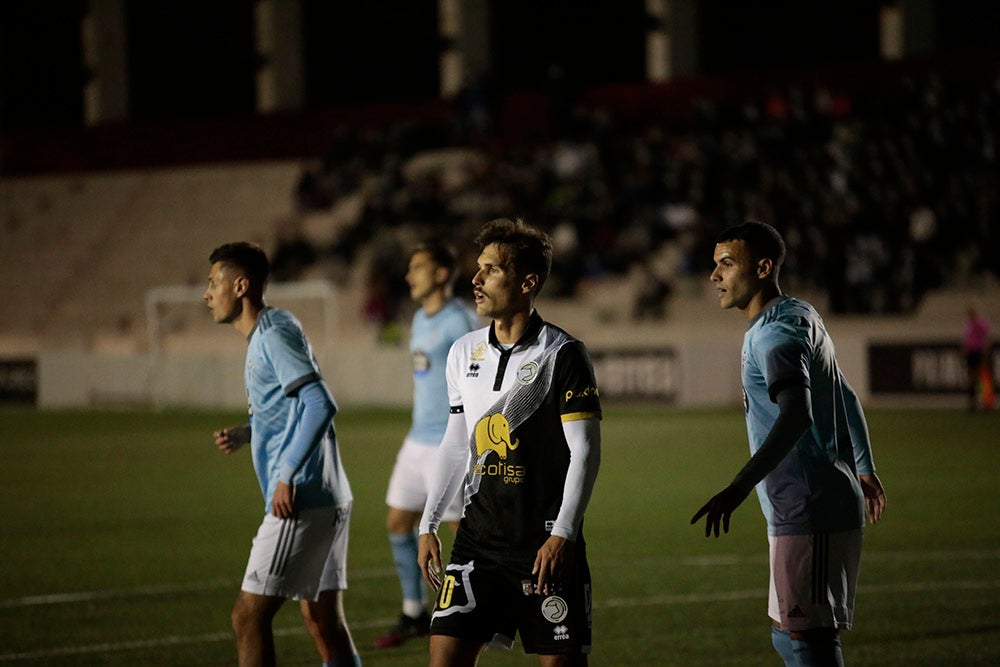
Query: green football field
{"type": "Point", "coordinates": [124, 537]}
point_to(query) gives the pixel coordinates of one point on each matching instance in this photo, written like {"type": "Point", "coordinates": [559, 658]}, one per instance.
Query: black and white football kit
{"type": "Point", "coordinates": [524, 438]}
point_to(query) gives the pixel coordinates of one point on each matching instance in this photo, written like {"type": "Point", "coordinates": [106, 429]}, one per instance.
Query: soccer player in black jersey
{"type": "Point", "coordinates": [524, 439]}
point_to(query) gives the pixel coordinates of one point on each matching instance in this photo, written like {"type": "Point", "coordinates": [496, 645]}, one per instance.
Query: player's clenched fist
{"type": "Point", "coordinates": [230, 439]}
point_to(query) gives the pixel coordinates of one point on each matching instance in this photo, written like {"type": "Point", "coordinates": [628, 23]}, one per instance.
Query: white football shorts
{"type": "Point", "coordinates": [411, 478]}
{"type": "Point", "coordinates": [814, 579]}
{"type": "Point", "coordinates": [300, 557]}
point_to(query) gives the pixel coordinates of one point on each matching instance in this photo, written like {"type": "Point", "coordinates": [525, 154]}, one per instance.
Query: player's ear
{"type": "Point", "coordinates": [241, 286]}
{"type": "Point", "coordinates": [765, 268]}
{"type": "Point", "coordinates": [530, 283]}
{"type": "Point", "coordinates": [442, 275]}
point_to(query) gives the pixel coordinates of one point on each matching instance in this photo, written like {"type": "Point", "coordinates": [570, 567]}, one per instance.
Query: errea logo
{"type": "Point", "coordinates": [473, 370]}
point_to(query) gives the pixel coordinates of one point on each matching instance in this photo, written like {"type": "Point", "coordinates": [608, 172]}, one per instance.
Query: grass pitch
{"type": "Point", "coordinates": [125, 535]}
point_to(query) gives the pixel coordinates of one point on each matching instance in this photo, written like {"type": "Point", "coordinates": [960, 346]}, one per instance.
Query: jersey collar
{"type": "Point", "coordinates": [257, 322]}
{"type": "Point", "coordinates": [767, 307]}
{"type": "Point", "coordinates": [529, 336]}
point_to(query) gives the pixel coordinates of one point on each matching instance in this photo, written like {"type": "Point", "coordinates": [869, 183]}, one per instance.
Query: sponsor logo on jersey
{"type": "Point", "coordinates": [554, 609]}
{"type": "Point", "coordinates": [473, 370]}
{"type": "Point", "coordinates": [493, 435]}
{"type": "Point", "coordinates": [582, 393]}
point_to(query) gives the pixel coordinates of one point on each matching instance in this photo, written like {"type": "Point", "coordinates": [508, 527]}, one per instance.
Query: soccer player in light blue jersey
{"type": "Point", "coordinates": [300, 550]}
{"type": "Point", "coordinates": [441, 319]}
{"type": "Point", "coordinates": [811, 459]}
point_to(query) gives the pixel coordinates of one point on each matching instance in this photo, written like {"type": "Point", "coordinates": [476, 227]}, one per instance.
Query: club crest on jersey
{"type": "Point", "coordinates": [479, 351]}
{"type": "Point", "coordinates": [527, 373]}
{"type": "Point", "coordinates": [421, 362]}
{"type": "Point", "coordinates": [554, 609]}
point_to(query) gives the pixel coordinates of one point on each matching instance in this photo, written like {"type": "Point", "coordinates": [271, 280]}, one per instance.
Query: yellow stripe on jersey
{"type": "Point", "coordinates": [576, 416]}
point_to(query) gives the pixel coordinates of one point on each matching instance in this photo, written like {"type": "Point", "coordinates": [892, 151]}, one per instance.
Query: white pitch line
{"type": "Point", "coordinates": [761, 593]}
{"type": "Point", "coordinates": [154, 589]}
{"type": "Point", "coordinates": [616, 603]}
{"type": "Point", "coordinates": [385, 573]}
{"type": "Point", "coordinates": [175, 640]}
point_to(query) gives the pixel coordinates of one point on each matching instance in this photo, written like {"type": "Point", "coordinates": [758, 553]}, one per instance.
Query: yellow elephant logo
{"type": "Point", "coordinates": [493, 435]}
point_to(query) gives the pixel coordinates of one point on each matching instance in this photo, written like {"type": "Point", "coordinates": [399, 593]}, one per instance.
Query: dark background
{"type": "Point", "coordinates": [192, 58]}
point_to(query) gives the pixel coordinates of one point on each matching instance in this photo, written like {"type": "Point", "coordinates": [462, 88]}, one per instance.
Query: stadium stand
{"type": "Point", "coordinates": [884, 196]}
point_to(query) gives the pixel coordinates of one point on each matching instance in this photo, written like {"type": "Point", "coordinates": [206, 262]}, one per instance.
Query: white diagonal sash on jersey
{"type": "Point", "coordinates": [519, 402]}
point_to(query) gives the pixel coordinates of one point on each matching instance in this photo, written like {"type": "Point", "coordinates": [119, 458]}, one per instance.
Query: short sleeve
{"type": "Point", "coordinates": [783, 354]}
{"type": "Point", "coordinates": [292, 360]}
{"type": "Point", "coordinates": [579, 396]}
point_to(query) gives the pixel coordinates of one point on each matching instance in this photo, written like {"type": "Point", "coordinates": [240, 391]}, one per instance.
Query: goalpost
{"type": "Point", "coordinates": [179, 307]}
{"type": "Point", "coordinates": [192, 361]}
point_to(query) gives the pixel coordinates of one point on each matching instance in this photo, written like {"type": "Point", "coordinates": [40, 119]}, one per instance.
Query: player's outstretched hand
{"type": "Point", "coordinates": [720, 507]}
{"type": "Point", "coordinates": [871, 486]}
{"type": "Point", "coordinates": [429, 559]}
{"type": "Point", "coordinates": [228, 440]}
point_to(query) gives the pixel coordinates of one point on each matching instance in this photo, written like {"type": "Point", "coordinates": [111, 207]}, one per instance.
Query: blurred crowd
{"type": "Point", "coordinates": [881, 196]}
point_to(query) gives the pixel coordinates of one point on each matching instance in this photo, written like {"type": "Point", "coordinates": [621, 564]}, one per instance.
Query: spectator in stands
{"type": "Point", "coordinates": [850, 169]}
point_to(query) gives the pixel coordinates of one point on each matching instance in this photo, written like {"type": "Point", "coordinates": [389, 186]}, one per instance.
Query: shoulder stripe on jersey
{"type": "Point", "coordinates": [577, 416]}
{"type": "Point", "coordinates": [456, 409]}
{"type": "Point", "coordinates": [293, 388]}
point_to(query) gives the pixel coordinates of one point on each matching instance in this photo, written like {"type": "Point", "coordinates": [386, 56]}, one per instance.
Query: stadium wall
{"type": "Point", "coordinates": [692, 370]}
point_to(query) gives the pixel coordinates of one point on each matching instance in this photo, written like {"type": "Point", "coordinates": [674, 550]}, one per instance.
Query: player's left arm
{"type": "Point", "coordinates": [317, 412]}
{"type": "Point", "coordinates": [871, 485]}
{"type": "Point", "coordinates": [584, 440]}
{"type": "Point", "coordinates": [581, 424]}
{"type": "Point", "coordinates": [296, 371]}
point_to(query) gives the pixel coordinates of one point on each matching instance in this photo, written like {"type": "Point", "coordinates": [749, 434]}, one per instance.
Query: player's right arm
{"type": "Point", "coordinates": [448, 477]}
{"type": "Point", "coordinates": [228, 440]}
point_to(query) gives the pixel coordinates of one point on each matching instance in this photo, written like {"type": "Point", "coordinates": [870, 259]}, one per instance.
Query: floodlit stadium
{"type": "Point", "coordinates": [335, 138]}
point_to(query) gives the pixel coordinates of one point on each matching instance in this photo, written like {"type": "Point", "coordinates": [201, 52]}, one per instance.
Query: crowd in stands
{"type": "Point", "coordinates": [881, 196]}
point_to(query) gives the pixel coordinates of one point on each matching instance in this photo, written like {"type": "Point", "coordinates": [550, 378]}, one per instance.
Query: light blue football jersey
{"type": "Point", "coordinates": [279, 362]}
{"type": "Point", "coordinates": [815, 488]}
{"type": "Point", "coordinates": [431, 336]}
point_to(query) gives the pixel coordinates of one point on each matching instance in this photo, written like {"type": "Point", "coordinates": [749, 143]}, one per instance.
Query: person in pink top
{"type": "Point", "coordinates": [976, 346]}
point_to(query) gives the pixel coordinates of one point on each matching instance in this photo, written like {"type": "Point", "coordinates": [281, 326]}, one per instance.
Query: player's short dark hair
{"type": "Point", "coordinates": [762, 240]}
{"type": "Point", "coordinates": [247, 258]}
{"type": "Point", "coordinates": [524, 248]}
{"type": "Point", "coordinates": [441, 252]}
